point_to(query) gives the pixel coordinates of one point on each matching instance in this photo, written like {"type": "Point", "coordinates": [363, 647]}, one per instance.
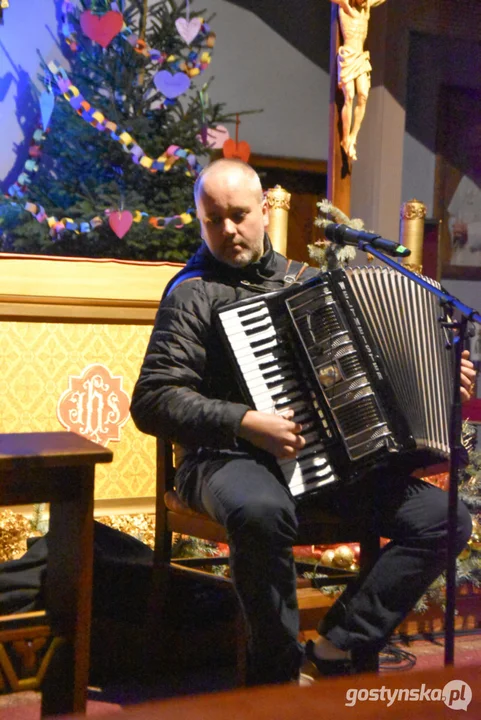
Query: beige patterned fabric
{"type": "Point", "coordinates": [37, 360]}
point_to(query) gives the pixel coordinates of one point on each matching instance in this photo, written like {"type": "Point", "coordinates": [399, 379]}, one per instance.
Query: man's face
{"type": "Point", "coordinates": [233, 218]}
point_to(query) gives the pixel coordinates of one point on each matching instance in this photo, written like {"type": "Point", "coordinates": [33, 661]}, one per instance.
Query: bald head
{"type": "Point", "coordinates": [232, 212]}
{"type": "Point", "coordinates": [228, 172]}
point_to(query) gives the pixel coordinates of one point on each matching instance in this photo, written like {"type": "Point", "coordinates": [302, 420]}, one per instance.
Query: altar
{"type": "Point", "coordinates": [73, 334]}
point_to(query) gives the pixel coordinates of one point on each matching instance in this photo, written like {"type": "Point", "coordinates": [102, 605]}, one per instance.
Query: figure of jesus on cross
{"type": "Point", "coordinates": [353, 68]}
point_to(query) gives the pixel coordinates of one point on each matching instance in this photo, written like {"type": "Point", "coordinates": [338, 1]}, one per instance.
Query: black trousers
{"type": "Point", "coordinates": [246, 494]}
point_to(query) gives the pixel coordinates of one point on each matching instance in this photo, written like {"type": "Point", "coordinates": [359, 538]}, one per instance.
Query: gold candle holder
{"type": "Point", "coordinates": [279, 203]}
{"type": "Point", "coordinates": [411, 233]}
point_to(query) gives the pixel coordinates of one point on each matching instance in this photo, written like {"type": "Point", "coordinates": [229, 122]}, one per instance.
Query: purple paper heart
{"type": "Point", "coordinates": [171, 85]}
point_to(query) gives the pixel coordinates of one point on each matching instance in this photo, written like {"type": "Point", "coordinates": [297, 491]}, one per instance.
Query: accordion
{"type": "Point", "coordinates": [361, 357]}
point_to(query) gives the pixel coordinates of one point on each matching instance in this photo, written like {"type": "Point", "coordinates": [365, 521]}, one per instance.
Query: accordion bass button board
{"type": "Point", "coordinates": [361, 358]}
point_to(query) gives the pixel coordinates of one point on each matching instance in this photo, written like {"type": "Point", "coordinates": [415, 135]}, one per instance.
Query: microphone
{"type": "Point", "coordinates": [345, 235]}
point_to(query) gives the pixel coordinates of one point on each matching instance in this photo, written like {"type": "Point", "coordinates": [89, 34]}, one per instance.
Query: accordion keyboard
{"type": "Point", "coordinates": [272, 380]}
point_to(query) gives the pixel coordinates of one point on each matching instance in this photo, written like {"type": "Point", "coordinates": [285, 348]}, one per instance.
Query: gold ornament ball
{"type": "Point", "coordinates": [464, 554]}
{"type": "Point", "coordinates": [475, 537]}
{"type": "Point", "coordinates": [343, 556]}
{"type": "Point", "coordinates": [356, 549]}
{"type": "Point", "coordinates": [327, 557]}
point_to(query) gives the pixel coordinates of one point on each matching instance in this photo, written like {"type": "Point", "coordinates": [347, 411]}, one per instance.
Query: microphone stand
{"type": "Point", "coordinates": [467, 314]}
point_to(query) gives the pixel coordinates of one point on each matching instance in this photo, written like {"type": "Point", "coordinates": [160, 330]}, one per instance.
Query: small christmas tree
{"type": "Point", "coordinates": [123, 143]}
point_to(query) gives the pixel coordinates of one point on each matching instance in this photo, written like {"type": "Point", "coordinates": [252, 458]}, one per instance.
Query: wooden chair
{"type": "Point", "coordinates": [49, 651]}
{"type": "Point", "coordinates": [172, 515]}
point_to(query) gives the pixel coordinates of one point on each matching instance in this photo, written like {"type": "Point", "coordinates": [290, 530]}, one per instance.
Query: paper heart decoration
{"type": "Point", "coordinates": [188, 29]}
{"type": "Point", "coordinates": [171, 85]}
{"type": "Point", "coordinates": [215, 137]}
{"type": "Point", "coordinates": [120, 222]}
{"type": "Point", "coordinates": [240, 150]}
{"type": "Point", "coordinates": [47, 102]}
{"type": "Point", "coordinates": [101, 28]}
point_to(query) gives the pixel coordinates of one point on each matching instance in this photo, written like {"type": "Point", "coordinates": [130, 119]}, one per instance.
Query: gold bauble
{"type": "Point", "coordinates": [327, 557]}
{"type": "Point", "coordinates": [476, 527]}
{"type": "Point", "coordinates": [343, 556]}
{"type": "Point", "coordinates": [475, 537]}
{"type": "Point", "coordinates": [464, 554]}
{"type": "Point", "coordinates": [14, 531]}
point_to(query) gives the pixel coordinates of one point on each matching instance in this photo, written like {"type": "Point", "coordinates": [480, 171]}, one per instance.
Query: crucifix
{"type": "Point", "coordinates": [350, 84]}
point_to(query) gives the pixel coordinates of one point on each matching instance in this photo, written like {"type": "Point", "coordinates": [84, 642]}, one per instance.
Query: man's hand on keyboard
{"type": "Point", "coordinates": [277, 434]}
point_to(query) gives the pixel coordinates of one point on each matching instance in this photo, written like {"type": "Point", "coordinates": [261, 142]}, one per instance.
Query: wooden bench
{"type": "Point", "coordinates": [49, 651]}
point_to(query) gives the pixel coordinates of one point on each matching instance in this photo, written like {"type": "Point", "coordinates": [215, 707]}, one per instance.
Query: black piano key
{"type": "Point", "coordinates": [256, 319]}
{"type": "Point", "coordinates": [286, 378]}
{"type": "Point", "coordinates": [245, 312]}
{"type": "Point", "coordinates": [257, 344]}
{"type": "Point", "coordinates": [258, 329]}
{"type": "Point", "coordinates": [284, 405]}
{"type": "Point", "coordinates": [277, 359]}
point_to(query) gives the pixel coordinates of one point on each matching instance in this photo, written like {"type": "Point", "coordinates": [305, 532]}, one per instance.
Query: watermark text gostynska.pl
{"type": "Point", "coordinates": [456, 694]}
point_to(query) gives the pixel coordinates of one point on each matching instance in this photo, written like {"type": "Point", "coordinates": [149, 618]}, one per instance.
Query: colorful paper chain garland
{"type": "Point", "coordinates": [97, 120]}
{"type": "Point", "coordinates": [57, 226]}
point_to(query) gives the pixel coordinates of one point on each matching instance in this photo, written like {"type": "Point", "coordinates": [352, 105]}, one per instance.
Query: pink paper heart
{"type": "Point", "coordinates": [171, 85]}
{"type": "Point", "coordinates": [216, 137]}
{"type": "Point", "coordinates": [120, 222]}
{"type": "Point", "coordinates": [101, 28]}
{"type": "Point", "coordinates": [188, 29]}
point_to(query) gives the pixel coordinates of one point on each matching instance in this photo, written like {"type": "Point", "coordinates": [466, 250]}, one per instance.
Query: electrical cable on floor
{"type": "Point", "coordinates": [393, 658]}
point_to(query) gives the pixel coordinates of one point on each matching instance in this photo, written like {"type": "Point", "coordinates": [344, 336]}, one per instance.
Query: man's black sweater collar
{"type": "Point", "coordinates": [265, 267]}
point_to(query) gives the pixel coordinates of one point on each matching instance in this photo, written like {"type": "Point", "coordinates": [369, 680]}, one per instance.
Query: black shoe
{"type": "Point", "coordinates": [327, 668]}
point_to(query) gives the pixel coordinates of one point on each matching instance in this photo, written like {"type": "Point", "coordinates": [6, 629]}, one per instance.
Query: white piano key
{"type": "Point", "coordinates": [275, 386]}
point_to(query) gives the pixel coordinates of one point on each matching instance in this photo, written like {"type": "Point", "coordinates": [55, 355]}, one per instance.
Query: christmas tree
{"type": "Point", "coordinates": [112, 163]}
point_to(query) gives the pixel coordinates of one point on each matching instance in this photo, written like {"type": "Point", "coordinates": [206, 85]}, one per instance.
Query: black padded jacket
{"type": "Point", "coordinates": [186, 391]}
